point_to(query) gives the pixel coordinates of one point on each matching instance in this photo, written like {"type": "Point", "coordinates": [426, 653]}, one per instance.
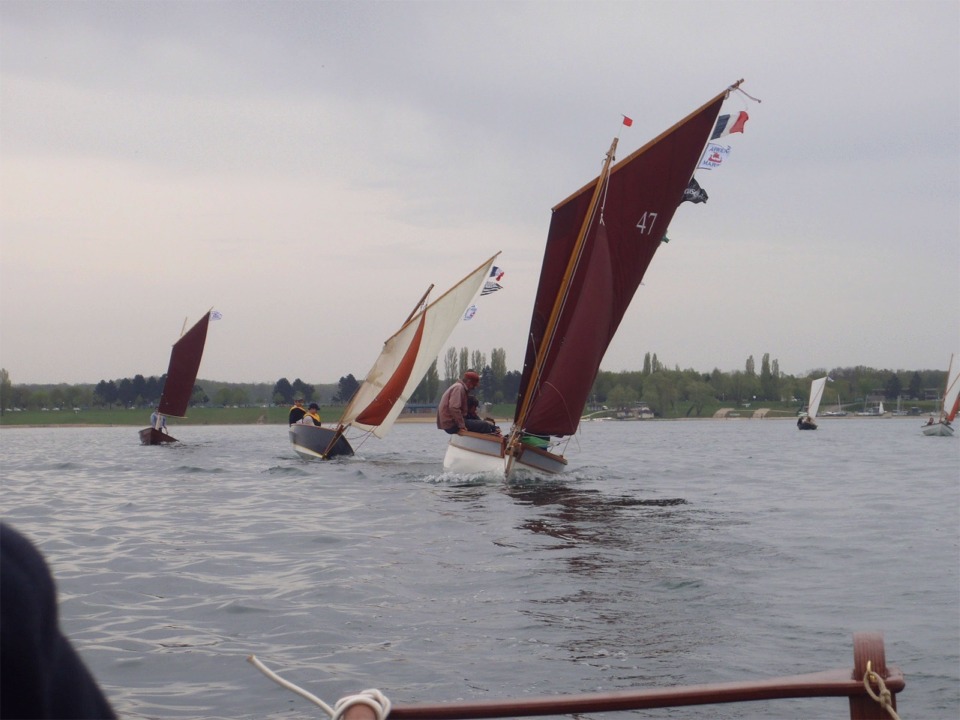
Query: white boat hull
{"type": "Point", "coordinates": [938, 429]}
{"type": "Point", "coordinates": [473, 453]}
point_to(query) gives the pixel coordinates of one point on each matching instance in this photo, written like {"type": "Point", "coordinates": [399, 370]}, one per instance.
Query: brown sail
{"type": "Point", "coordinates": [600, 243]}
{"type": "Point", "coordinates": [182, 371]}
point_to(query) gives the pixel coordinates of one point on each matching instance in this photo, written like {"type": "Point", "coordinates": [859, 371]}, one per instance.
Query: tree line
{"type": "Point", "coordinates": [667, 392]}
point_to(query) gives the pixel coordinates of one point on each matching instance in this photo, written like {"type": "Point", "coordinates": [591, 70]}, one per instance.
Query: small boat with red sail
{"type": "Point", "coordinates": [178, 386]}
{"type": "Point", "coordinates": [600, 242]}
{"type": "Point", "coordinates": [405, 359]}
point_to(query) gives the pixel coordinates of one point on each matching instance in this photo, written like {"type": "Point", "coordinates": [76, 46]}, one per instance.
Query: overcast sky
{"type": "Point", "coordinates": [309, 168]}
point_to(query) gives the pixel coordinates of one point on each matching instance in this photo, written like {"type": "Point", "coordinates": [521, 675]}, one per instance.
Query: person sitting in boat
{"type": "Point", "coordinates": [163, 422]}
{"type": "Point", "coordinates": [477, 424]}
{"type": "Point", "coordinates": [312, 416]}
{"type": "Point", "coordinates": [451, 412]}
{"type": "Point", "coordinates": [296, 412]}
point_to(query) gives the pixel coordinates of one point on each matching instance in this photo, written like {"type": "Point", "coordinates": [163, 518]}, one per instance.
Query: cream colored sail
{"type": "Point", "coordinates": [408, 354]}
{"type": "Point", "coordinates": [816, 395]}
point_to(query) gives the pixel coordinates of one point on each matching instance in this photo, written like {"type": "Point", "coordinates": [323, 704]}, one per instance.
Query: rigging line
{"type": "Point", "coordinates": [563, 400]}
{"type": "Point", "coordinates": [751, 97]}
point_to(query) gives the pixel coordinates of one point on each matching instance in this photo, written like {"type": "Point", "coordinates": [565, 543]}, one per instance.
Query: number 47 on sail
{"type": "Point", "coordinates": [650, 217]}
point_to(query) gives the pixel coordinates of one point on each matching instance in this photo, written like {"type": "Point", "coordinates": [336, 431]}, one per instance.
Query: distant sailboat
{"type": "Point", "coordinates": [402, 364]}
{"type": "Point", "coordinates": [816, 395]}
{"type": "Point", "coordinates": [600, 243]}
{"type": "Point", "coordinates": [839, 412]}
{"type": "Point", "coordinates": [949, 407]}
{"type": "Point", "coordinates": [178, 387]}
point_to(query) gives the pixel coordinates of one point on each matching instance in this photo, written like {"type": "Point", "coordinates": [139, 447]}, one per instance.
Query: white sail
{"type": "Point", "coordinates": [816, 395]}
{"type": "Point", "coordinates": [407, 356]}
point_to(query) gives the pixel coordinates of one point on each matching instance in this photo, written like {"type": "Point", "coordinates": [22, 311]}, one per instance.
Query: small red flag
{"type": "Point", "coordinates": [627, 121]}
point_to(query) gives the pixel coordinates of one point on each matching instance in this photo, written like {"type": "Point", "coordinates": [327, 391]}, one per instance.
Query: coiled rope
{"type": "Point", "coordinates": [374, 699]}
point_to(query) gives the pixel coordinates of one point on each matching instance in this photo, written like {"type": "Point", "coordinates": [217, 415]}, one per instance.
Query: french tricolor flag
{"type": "Point", "coordinates": [727, 124]}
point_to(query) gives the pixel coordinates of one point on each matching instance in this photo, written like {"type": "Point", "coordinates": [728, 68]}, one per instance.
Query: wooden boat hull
{"type": "Point", "coordinates": [310, 442]}
{"type": "Point", "coordinates": [152, 436]}
{"type": "Point", "coordinates": [938, 429]}
{"type": "Point", "coordinates": [475, 453]}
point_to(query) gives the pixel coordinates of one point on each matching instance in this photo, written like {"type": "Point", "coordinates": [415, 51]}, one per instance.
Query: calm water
{"type": "Point", "coordinates": [672, 553]}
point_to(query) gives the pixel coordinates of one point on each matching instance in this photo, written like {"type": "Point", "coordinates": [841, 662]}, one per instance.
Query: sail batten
{"type": "Point", "coordinates": [183, 368]}
{"type": "Point", "coordinates": [608, 262]}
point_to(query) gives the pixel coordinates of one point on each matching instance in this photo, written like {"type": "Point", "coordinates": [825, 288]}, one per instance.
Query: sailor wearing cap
{"type": "Point", "coordinates": [452, 410]}
{"type": "Point", "coordinates": [313, 415]}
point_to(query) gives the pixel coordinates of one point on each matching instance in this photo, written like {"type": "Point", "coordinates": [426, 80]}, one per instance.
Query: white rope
{"type": "Point", "coordinates": [374, 699]}
{"type": "Point", "coordinates": [883, 696]}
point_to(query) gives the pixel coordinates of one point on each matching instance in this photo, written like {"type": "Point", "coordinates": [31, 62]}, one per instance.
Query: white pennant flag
{"type": "Point", "coordinates": [713, 156]}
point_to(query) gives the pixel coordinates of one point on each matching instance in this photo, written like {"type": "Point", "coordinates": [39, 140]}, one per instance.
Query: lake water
{"type": "Point", "coordinates": [671, 553]}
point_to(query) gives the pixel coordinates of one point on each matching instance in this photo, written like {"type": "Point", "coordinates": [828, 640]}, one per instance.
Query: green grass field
{"type": "Point", "coordinates": [141, 418]}
{"type": "Point", "coordinates": [278, 415]}
{"type": "Point", "coordinates": [196, 416]}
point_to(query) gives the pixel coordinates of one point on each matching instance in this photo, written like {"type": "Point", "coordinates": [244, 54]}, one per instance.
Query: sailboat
{"type": "Point", "coordinates": [600, 242]}
{"type": "Point", "coordinates": [402, 364]}
{"type": "Point", "coordinates": [949, 407]}
{"type": "Point", "coordinates": [178, 387]}
{"type": "Point", "coordinates": [839, 412]}
{"type": "Point", "coordinates": [806, 422]}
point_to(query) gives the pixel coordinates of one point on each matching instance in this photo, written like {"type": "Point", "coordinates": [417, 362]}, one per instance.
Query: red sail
{"type": "Point", "coordinates": [952, 415]}
{"type": "Point", "coordinates": [182, 372]}
{"type": "Point", "coordinates": [634, 212]}
{"type": "Point", "coordinates": [389, 395]}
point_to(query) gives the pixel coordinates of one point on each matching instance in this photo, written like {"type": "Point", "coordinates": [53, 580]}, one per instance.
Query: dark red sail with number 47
{"type": "Point", "coordinates": [593, 265]}
{"type": "Point", "coordinates": [182, 371]}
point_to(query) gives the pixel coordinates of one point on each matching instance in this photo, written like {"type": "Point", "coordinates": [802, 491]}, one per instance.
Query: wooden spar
{"type": "Point", "coordinates": [868, 647]}
{"type": "Point", "coordinates": [418, 305]}
{"type": "Point", "coordinates": [336, 436]}
{"type": "Point", "coordinates": [639, 151]}
{"type": "Point", "coordinates": [558, 304]}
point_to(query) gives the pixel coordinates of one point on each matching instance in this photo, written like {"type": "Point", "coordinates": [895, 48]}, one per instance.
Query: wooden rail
{"type": "Point", "coordinates": [867, 649]}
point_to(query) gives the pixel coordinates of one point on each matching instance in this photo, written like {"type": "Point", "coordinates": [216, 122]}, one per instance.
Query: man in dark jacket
{"type": "Point", "coordinates": [41, 675]}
